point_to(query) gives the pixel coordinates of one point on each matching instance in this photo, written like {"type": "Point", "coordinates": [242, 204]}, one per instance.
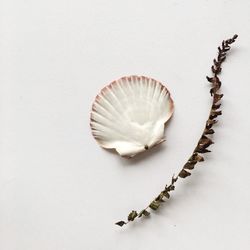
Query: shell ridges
{"type": "Point", "coordinates": [129, 114]}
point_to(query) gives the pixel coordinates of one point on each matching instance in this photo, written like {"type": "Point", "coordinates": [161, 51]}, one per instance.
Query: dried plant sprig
{"type": "Point", "coordinates": [204, 141]}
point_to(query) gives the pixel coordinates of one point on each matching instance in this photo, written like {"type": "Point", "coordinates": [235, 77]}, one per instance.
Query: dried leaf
{"type": "Point", "coordinates": [217, 97]}
{"type": "Point", "coordinates": [213, 68]}
{"type": "Point", "coordinates": [208, 131]}
{"type": "Point", "coordinates": [166, 194]}
{"type": "Point", "coordinates": [132, 215]}
{"type": "Point", "coordinates": [233, 38]}
{"type": "Point", "coordinates": [216, 63]}
{"type": "Point", "coordinates": [217, 112]}
{"type": "Point", "coordinates": [204, 146]}
{"type": "Point", "coordinates": [184, 173]}
{"type": "Point", "coordinates": [169, 188]}
{"type": "Point", "coordinates": [216, 69]}
{"type": "Point", "coordinates": [143, 212]}
{"type": "Point", "coordinates": [174, 179]}
{"type": "Point", "coordinates": [202, 150]}
{"type": "Point", "coordinates": [216, 106]}
{"type": "Point", "coordinates": [189, 165]}
{"type": "Point", "coordinates": [214, 90]}
{"type": "Point", "coordinates": [199, 158]}
{"type": "Point", "coordinates": [160, 197]}
{"type": "Point", "coordinates": [210, 123]}
{"type": "Point", "coordinates": [192, 158]}
{"type": "Point", "coordinates": [210, 79]}
{"type": "Point", "coordinates": [154, 205]}
{"type": "Point", "coordinates": [222, 58]}
{"type": "Point", "coordinates": [196, 157]}
{"type": "Point", "coordinates": [120, 223]}
{"type": "Point", "coordinates": [205, 140]}
{"type": "Point", "coordinates": [204, 143]}
{"type": "Point", "coordinates": [214, 114]}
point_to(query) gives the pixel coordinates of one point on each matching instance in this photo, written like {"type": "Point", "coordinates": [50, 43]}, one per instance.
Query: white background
{"type": "Point", "coordinates": [58, 188]}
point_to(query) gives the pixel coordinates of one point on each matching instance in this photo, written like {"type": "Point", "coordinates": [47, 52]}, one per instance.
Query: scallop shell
{"type": "Point", "coordinates": [129, 115]}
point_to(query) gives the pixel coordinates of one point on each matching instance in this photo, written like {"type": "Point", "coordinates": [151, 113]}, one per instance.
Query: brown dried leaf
{"type": "Point", "coordinates": [217, 97]}
{"type": "Point", "coordinates": [199, 158]}
{"type": "Point", "coordinates": [120, 223]}
{"type": "Point", "coordinates": [143, 212]}
{"type": "Point", "coordinates": [205, 142]}
{"type": "Point", "coordinates": [169, 188]}
{"type": "Point", "coordinates": [166, 194]}
{"type": "Point", "coordinates": [184, 173]}
{"type": "Point", "coordinates": [216, 106]}
{"type": "Point", "coordinates": [154, 205]}
{"type": "Point", "coordinates": [210, 123]}
{"type": "Point", "coordinates": [214, 90]}
{"type": "Point", "coordinates": [174, 179]}
{"type": "Point", "coordinates": [189, 165]}
{"type": "Point", "coordinates": [132, 215]}
{"type": "Point", "coordinates": [208, 131]}
{"type": "Point", "coordinates": [210, 79]}
{"type": "Point", "coordinates": [216, 112]}
{"type": "Point", "coordinates": [202, 150]}
{"type": "Point", "coordinates": [160, 197]}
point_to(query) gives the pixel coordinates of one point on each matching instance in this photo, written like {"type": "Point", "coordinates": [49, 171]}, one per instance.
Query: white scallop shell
{"type": "Point", "coordinates": [129, 115]}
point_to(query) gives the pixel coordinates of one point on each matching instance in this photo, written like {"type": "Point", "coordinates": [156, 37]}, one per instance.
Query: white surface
{"type": "Point", "coordinates": [58, 188]}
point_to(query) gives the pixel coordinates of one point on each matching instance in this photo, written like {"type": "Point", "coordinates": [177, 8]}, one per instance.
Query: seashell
{"type": "Point", "coordinates": [129, 115]}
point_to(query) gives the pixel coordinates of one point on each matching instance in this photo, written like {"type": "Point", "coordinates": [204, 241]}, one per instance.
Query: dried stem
{"type": "Point", "coordinates": [204, 141]}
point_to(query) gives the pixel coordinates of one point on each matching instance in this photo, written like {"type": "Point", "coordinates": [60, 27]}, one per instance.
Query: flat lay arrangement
{"type": "Point", "coordinates": [124, 125]}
